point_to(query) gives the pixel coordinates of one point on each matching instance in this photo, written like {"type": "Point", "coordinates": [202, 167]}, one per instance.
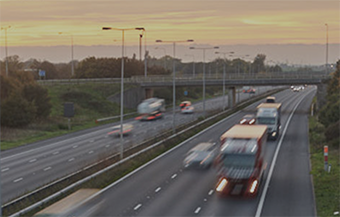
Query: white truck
{"type": "Point", "coordinates": [270, 114]}
{"type": "Point", "coordinates": [151, 109]}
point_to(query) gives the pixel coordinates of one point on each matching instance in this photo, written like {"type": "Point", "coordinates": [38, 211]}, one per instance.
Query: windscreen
{"type": "Point", "coordinates": [266, 120]}
{"type": "Point", "coordinates": [239, 160]}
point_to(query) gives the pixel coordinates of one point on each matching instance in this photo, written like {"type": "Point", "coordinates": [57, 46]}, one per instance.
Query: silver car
{"type": "Point", "coordinates": [201, 156]}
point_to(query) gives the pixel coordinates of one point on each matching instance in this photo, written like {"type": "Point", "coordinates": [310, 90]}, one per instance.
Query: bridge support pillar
{"type": "Point", "coordinates": [148, 93]}
{"type": "Point", "coordinates": [232, 97]}
{"type": "Point", "coordinates": [321, 94]}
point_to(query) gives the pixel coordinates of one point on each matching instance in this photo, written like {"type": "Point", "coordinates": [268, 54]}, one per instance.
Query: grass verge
{"type": "Point", "coordinates": [326, 184]}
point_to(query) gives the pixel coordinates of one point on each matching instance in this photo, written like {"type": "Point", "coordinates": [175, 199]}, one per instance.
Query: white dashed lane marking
{"type": "Point", "coordinates": [211, 192]}
{"type": "Point", "coordinates": [174, 176]}
{"type": "Point", "coordinates": [75, 146]}
{"type": "Point", "coordinates": [197, 210]}
{"type": "Point", "coordinates": [47, 168]}
{"type": "Point", "coordinates": [57, 152]}
{"type": "Point", "coordinates": [4, 170]}
{"type": "Point", "coordinates": [90, 152]}
{"type": "Point", "coordinates": [71, 159]}
{"type": "Point", "coordinates": [137, 207]}
{"type": "Point", "coordinates": [18, 180]}
{"type": "Point", "coordinates": [158, 189]}
{"type": "Point", "coordinates": [33, 160]}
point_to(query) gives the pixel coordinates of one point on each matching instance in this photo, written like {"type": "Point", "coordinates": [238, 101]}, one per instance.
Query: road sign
{"type": "Point", "coordinates": [42, 73]}
{"type": "Point", "coordinates": [186, 93]}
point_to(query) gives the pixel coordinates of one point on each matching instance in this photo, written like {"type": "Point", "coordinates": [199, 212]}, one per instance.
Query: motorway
{"type": "Point", "coordinates": [29, 167]}
{"type": "Point", "coordinates": [163, 188]}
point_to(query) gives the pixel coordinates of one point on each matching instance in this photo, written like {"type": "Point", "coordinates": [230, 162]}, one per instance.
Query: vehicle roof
{"type": "Point", "coordinates": [271, 97]}
{"type": "Point", "coordinates": [245, 131]}
{"type": "Point", "coordinates": [269, 105]}
{"type": "Point", "coordinates": [240, 146]}
{"type": "Point", "coordinates": [68, 202]}
{"type": "Point", "coordinates": [204, 146]}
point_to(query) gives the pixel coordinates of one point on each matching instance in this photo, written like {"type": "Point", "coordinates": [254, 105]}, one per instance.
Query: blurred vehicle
{"type": "Point", "coordinates": [201, 156]}
{"type": "Point", "coordinates": [248, 119]}
{"type": "Point", "coordinates": [240, 160]}
{"type": "Point", "coordinates": [188, 110]}
{"type": "Point", "coordinates": [150, 109]}
{"type": "Point", "coordinates": [270, 115]}
{"type": "Point", "coordinates": [296, 89]}
{"type": "Point", "coordinates": [185, 104]}
{"type": "Point", "coordinates": [152, 116]}
{"type": "Point", "coordinates": [83, 202]}
{"type": "Point", "coordinates": [247, 89]}
{"type": "Point", "coordinates": [115, 131]}
{"type": "Point", "coordinates": [270, 99]}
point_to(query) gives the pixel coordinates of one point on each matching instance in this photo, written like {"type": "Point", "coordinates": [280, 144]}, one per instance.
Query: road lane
{"type": "Point", "coordinates": [84, 149]}
{"type": "Point", "coordinates": [201, 200]}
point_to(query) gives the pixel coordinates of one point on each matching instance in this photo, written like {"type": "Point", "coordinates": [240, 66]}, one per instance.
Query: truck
{"type": "Point", "coordinates": [240, 161]}
{"type": "Point", "coordinates": [270, 115]}
{"type": "Point", "coordinates": [151, 109]}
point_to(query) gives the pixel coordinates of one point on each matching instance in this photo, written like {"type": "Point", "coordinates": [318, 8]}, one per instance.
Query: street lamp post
{"type": "Point", "coordinates": [121, 87]}
{"type": "Point", "coordinates": [5, 28]}
{"type": "Point", "coordinates": [173, 79]}
{"type": "Point", "coordinates": [224, 74]}
{"type": "Point", "coordinates": [204, 48]}
{"type": "Point", "coordinates": [72, 63]}
{"type": "Point", "coordinates": [326, 48]}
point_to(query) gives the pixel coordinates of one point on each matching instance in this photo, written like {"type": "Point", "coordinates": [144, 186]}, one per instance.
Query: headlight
{"type": "Point", "coordinates": [274, 134]}
{"type": "Point", "coordinates": [253, 186]}
{"type": "Point", "coordinates": [222, 185]}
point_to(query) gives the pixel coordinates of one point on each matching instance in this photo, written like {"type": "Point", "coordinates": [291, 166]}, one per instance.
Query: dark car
{"type": "Point", "coordinates": [201, 156]}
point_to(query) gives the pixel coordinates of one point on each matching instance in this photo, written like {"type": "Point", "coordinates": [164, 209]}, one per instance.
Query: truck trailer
{"type": "Point", "coordinates": [151, 109]}
{"type": "Point", "coordinates": [240, 160]}
{"type": "Point", "coordinates": [270, 115]}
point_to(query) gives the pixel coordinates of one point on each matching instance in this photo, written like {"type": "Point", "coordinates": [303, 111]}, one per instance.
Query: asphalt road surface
{"type": "Point", "coordinates": [29, 167]}
{"type": "Point", "coordinates": [163, 188]}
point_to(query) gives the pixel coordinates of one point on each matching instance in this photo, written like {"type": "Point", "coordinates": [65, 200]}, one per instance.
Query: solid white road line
{"type": "Point", "coordinates": [265, 189]}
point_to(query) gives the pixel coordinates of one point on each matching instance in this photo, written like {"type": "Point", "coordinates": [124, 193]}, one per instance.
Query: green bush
{"type": "Point", "coordinates": [333, 131]}
{"type": "Point", "coordinates": [17, 111]}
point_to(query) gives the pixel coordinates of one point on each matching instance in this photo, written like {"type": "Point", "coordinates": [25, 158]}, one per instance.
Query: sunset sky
{"type": "Point", "coordinates": [223, 22]}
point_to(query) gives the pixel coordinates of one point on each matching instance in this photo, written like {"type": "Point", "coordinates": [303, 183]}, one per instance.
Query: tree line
{"type": "Point", "coordinates": [22, 100]}
{"type": "Point", "coordinates": [93, 67]}
{"type": "Point", "coordinates": [329, 114]}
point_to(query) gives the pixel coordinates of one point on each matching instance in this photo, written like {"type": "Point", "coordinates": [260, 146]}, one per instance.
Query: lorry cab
{"type": "Point", "coordinates": [270, 114]}
{"type": "Point", "coordinates": [240, 160]}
